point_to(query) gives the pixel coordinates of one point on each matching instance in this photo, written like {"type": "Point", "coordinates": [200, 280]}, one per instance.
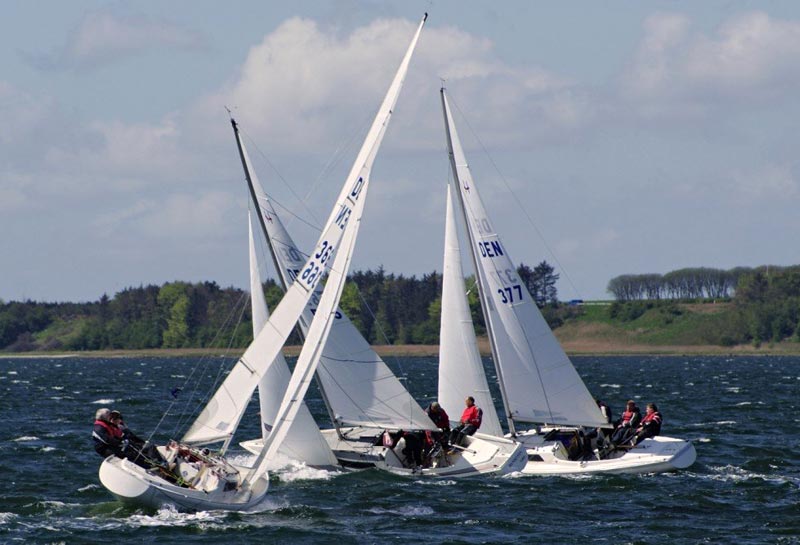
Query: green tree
{"type": "Point", "coordinates": [174, 299]}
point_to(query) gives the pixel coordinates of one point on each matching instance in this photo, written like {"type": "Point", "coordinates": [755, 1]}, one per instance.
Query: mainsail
{"type": "Point", "coordinates": [221, 416]}
{"type": "Point", "coordinates": [538, 381]}
{"type": "Point", "coordinates": [461, 372]}
{"type": "Point", "coordinates": [304, 442]}
{"type": "Point", "coordinates": [324, 316]}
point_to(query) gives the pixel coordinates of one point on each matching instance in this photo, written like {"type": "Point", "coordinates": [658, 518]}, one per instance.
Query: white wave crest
{"type": "Point", "coordinates": [5, 518]}
{"type": "Point", "coordinates": [408, 511]}
{"type": "Point", "coordinates": [436, 482]}
{"type": "Point", "coordinates": [299, 471]}
{"type": "Point", "coordinates": [170, 516]}
{"type": "Point", "coordinates": [731, 473]}
{"type": "Point", "coordinates": [88, 487]}
{"type": "Point", "coordinates": [615, 386]}
{"type": "Point", "coordinates": [47, 449]}
{"type": "Point", "coordinates": [26, 438]}
{"type": "Point", "coordinates": [103, 401]}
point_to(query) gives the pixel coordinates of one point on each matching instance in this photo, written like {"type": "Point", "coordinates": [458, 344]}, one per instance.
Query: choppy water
{"type": "Point", "coordinates": [741, 413]}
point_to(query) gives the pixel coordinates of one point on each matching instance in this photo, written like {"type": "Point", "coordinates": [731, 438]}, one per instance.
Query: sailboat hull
{"type": "Point", "coordinates": [134, 485]}
{"type": "Point", "coordinates": [654, 455]}
{"type": "Point", "coordinates": [356, 449]}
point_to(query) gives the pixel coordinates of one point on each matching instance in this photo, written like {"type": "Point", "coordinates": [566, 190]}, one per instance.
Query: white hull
{"type": "Point", "coordinates": [483, 455]}
{"type": "Point", "coordinates": [132, 484]}
{"type": "Point", "coordinates": [655, 455]}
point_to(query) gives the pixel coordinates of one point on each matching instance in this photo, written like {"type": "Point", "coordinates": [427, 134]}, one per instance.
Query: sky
{"type": "Point", "coordinates": [606, 138]}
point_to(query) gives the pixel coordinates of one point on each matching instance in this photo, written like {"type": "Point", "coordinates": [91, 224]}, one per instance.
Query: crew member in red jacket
{"type": "Point", "coordinates": [627, 424]}
{"type": "Point", "coordinates": [651, 424]}
{"type": "Point", "coordinates": [470, 422]}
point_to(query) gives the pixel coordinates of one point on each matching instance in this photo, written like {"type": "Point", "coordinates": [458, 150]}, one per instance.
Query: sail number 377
{"type": "Point", "coordinates": [511, 294]}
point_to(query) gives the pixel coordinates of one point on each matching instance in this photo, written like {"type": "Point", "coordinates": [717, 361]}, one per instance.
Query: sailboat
{"type": "Point", "coordinates": [194, 477]}
{"type": "Point", "coordinates": [363, 397]}
{"type": "Point", "coordinates": [538, 383]}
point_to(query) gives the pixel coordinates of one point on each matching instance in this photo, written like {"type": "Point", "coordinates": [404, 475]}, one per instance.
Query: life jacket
{"type": "Point", "coordinates": [113, 431]}
{"type": "Point", "coordinates": [627, 416]}
{"type": "Point", "coordinates": [652, 420]}
{"type": "Point", "coordinates": [472, 416]}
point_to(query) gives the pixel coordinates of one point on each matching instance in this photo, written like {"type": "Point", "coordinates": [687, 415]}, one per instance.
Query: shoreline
{"type": "Point", "coordinates": [572, 348]}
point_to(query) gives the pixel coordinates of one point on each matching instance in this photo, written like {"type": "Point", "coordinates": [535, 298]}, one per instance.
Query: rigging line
{"type": "Point", "coordinates": [275, 170]}
{"type": "Point", "coordinates": [381, 332]}
{"type": "Point", "coordinates": [185, 413]}
{"type": "Point", "coordinates": [336, 157]}
{"type": "Point", "coordinates": [289, 212]}
{"type": "Point", "coordinates": [204, 398]}
{"type": "Point", "coordinates": [203, 361]}
{"type": "Point", "coordinates": [517, 200]}
{"type": "Point", "coordinates": [381, 402]}
{"type": "Point", "coordinates": [222, 365]}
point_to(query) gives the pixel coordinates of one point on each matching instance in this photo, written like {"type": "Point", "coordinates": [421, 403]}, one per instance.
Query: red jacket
{"type": "Point", "coordinates": [473, 416]}
{"type": "Point", "coordinates": [440, 418]}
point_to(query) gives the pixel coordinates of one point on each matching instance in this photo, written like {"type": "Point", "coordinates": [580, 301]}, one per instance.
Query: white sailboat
{"type": "Point", "coordinates": [209, 481]}
{"type": "Point", "coordinates": [195, 478]}
{"type": "Point", "coordinates": [538, 383]}
{"type": "Point", "coordinates": [363, 397]}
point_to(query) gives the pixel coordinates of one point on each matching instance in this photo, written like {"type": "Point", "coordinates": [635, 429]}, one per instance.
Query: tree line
{"type": "Point", "coordinates": [386, 308]}
{"type": "Point", "coordinates": [687, 283]}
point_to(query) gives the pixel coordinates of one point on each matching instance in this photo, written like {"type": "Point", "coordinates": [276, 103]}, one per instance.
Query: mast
{"type": "Point", "coordinates": [482, 295]}
{"type": "Point", "coordinates": [254, 196]}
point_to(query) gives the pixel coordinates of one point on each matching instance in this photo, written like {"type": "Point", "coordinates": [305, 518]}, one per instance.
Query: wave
{"type": "Point", "coordinates": [5, 518]}
{"type": "Point", "coordinates": [299, 471]}
{"type": "Point", "coordinates": [445, 482]}
{"type": "Point", "coordinates": [26, 438]}
{"type": "Point", "coordinates": [103, 402]}
{"type": "Point", "coordinates": [170, 516]}
{"type": "Point", "coordinates": [735, 474]}
{"type": "Point", "coordinates": [408, 511]}
{"type": "Point", "coordinates": [287, 469]}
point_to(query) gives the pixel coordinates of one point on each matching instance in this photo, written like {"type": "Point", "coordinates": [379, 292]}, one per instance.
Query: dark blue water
{"type": "Point", "coordinates": [741, 413]}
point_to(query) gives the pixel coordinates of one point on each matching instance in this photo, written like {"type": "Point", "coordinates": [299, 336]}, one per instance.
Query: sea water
{"type": "Point", "coordinates": [741, 413]}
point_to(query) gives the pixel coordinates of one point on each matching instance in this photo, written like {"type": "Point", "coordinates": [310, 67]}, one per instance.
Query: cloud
{"type": "Point", "coordinates": [306, 86]}
{"type": "Point", "coordinates": [750, 58]}
{"type": "Point", "coordinates": [102, 38]}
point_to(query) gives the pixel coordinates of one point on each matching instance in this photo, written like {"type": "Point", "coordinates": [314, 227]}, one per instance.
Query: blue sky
{"type": "Point", "coordinates": [632, 136]}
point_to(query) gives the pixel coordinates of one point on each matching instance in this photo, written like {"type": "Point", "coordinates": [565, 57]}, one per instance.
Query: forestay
{"type": "Point", "coordinates": [304, 442]}
{"type": "Point", "coordinates": [359, 387]}
{"type": "Point", "coordinates": [540, 383]}
{"type": "Point", "coordinates": [461, 372]}
{"type": "Point", "coordinates": [324, 316]}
